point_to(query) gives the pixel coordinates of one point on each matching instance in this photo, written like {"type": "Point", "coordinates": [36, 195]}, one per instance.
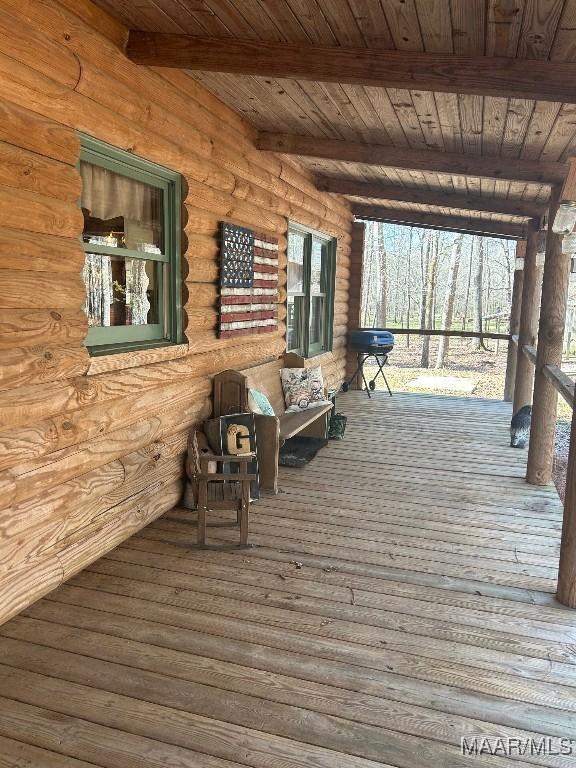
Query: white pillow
{"type": "Point", "coordinates": [303, 388]}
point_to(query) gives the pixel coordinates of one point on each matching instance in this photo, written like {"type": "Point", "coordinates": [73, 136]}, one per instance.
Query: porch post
{"type": "Point", "coordinates": [549, 352]}
{"type": "Point", "coordinates": [566, 592]}
{"type": "Point", "coordinates": [515, 320]}
{"type": "Point", "coordinates": [355, 295]}
{"type": "Point", "coordinates": [528, 322]}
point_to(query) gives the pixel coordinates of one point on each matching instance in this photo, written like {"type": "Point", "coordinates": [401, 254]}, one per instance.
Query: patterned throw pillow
{"type": "Point", "coordinates": [303, 388]}
{"type": "Point", "coordinates": [259, 403]}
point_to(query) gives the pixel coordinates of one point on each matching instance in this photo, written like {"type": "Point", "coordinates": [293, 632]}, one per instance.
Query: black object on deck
{"type": "Point", "coordinates": [370, 342]}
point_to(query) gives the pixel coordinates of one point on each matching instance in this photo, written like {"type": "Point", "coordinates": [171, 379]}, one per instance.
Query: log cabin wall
{"type": "Point", "coordinates": [92, 449]}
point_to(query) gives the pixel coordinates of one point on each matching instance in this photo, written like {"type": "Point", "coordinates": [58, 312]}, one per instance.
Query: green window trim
{"type": "Point", "coordinates": [116, 339]}
{"type": "Point", "coordinates": [303, 299]}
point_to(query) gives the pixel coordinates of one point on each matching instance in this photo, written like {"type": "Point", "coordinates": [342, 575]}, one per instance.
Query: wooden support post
{"type": "Point", "coordinates": [528, 322]}
{"type": "Point", "coordinates": [566, 593]}
{"type": "Point", "coordinates": [515, 321]}
{"type": "Point", "coordinates": [355, 295]}
{"type": "Point", "coordinates": [549, 352]}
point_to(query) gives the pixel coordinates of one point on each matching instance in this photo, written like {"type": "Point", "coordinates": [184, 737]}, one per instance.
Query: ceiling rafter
{"type": "Point", "coordinates": [537, 79]}
{"type": "Point", "coordinates": [374, 190]}
{"type": "Point", "coordinates": [434, 161]}
{"type": "Point", "coordinates": [465, 224]}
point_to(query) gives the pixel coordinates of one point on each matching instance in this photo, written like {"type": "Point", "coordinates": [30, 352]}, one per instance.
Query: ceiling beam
{"type": "Point", "coordinates": [482, 75]}
{"type": "Point", "coordinates": [465, 224]}
{"type": "Point", "coordinates": [428, 160]}
{"type": "Point", "coordinates": [440, 198]}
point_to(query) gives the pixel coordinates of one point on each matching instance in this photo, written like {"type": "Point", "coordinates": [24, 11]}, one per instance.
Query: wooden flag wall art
{"type": "Point", "coordinates": [248, 282]}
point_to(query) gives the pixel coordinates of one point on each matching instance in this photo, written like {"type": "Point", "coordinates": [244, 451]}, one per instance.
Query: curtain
{"type": "Point", "coordinates": [108, 195]}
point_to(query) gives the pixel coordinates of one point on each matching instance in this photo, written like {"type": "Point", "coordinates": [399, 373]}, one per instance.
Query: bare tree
{"type": "Point", "coordinates": [381, 252]}
{"type": "Point", "coordinates": [408, 286]}
{"type": "Point", "coordinates": [429, 291]}
{"type": "Point", "coordinates": [478, 259]}
{"type": "Point", "coordinates": [450, 295]}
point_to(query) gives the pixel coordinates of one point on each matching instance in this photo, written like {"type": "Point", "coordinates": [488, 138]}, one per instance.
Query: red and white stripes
{"type": "Point", "coordinates": [245, 311]}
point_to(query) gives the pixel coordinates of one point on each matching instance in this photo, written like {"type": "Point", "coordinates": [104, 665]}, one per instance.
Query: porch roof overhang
{"type": "Point", "coordinates": [389, 106]}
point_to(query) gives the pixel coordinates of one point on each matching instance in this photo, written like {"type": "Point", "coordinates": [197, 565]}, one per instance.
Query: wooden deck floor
{"type": "Point", "coordinates": [399, 596]}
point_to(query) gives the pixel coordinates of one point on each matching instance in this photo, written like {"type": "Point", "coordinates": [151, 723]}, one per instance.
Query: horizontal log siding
{"type": "Point", "coordinates": [92, 450]}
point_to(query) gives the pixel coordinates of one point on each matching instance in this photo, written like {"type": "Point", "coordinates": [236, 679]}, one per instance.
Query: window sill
{"type": "Point", "coordinates": [136, 357]}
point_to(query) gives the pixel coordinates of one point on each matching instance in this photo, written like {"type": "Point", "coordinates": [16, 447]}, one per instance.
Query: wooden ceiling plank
{"type": "Point", "coordinates": [562, 134]}
{"type": "Point", "coordinates": [419, 196]}
{"type": "Point", "coordinates": [539, 24]}
{"type": "Point", "coordinates": [384, 108]}
{"type": "Point", "coordinates": [231, 18]}
{"type": "Point", "coordinates": [434, 162]}
{"type": "Point", "coordinates": [447, 106]}
{"type": "Point", "coordinates": [376, 131]}
{"type": "Point", "coordinates": [435, 25]}
{"type": "Point", "coordinates": [313, 21]}
{"type": "Point", "coordinates": [480, 76]}
{"type": "Point", "coordinates": [564, 45]}
{"type": "Point", "coordinates": [372, 23]}
{"type": "Point", "coordinates": [329, 111]}
{"type": "Point", "coordinates": [471, 110]}
{"type": "Point", "coordinates": [493, 124]}
{"type": "Point", "coordinates": [342, 23]}
{"type": "Point", "coordinates": [517, 121]}
{"type": "Point", "coordinates": [300, 97]}
{"type": "Point", "coordinates": [212, 23]}
{"type": "Point", "coordinates": [286, 20]}
{"type": "Point", "coordinates": [503, 27]}
{"type": "Point", "coordinates": [181, 17]}
{"type": "Point", "coordinates": [404, 24]}
{"type": "Point", "coordinates": [468, 224]}
{"type": "Point", "coordinates": [401, 100]}
{"type": "Point", "coordinates": [541, 124]}
{"type": "Point", "coordinates": [468, 26]}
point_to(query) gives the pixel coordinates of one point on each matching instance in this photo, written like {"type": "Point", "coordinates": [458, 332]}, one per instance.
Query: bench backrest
{"type": "Point", "coordinates": [266, 378]}
{"type": "Point", "coordinates": [231, 387]}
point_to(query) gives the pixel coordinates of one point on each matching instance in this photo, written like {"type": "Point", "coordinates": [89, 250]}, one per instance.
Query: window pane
{"type": "Point", "coordinates": [294, 322]}
{"type": "Point", "coordinates": [121, 291]}
{"type": "Point", "coordinates": [317, 314]}
{"type": "Point", "coordinates": [121, 211]}
{"type": "Point", "coordinates": [316, 266]}
{"type": "Point", "coordinates": [296, 245]}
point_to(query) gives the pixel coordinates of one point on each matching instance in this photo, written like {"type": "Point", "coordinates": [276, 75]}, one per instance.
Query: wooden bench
{"type": "Point", "coordinates": [231, 396]}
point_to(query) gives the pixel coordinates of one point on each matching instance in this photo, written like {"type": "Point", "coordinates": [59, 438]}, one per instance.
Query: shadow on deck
{"type": "Point", "coordinates": [399, 596]}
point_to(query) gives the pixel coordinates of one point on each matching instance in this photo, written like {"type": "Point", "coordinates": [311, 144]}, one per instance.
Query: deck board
{"type": "Point", "coordinates": [399, 595]}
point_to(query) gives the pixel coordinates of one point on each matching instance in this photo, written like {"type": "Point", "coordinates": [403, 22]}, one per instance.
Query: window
{"type": "Point", "coordinates": [131, 241]}
{"type": "Point", "coordinates": [310, 303]}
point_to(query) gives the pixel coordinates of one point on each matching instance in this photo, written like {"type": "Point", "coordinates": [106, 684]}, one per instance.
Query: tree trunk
{"type": "Point", "coordinates": [381, 251]}
{"type": "Point", "coordinates": [478, 259]}
{"type": "Point", "coordinates": [424, 261]}
{"type": "Point", "coordinates": [429, 296]}
{"type": "Point", "coordinates": [408, 287]}
{"type": "Point", "coordinates": [448, 310]}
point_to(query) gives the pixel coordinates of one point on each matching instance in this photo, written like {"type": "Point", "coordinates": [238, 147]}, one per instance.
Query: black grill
{"type": "Point", "coordinates": [370, 342]}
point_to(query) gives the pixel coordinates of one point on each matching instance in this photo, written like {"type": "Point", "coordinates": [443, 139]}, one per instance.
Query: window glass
{"type": "Point", "coordinates": [316, 266]}
{"type": "Point", "coordinates": [126, 212]}
{"type": "Point", "coordinates": [296, 246]}
{"type": "Point", "coordinates": [311, 266]}
{"type": "Point", "coordinates": [121, 291]}
{"type": "Point", "coordinates": [131, 242]}
{"type": "Point", "coordinates": [316, 320]}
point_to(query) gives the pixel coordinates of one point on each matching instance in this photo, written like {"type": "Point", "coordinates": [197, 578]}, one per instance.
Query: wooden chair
{"type": "Point", "coordinates": [215, 489]}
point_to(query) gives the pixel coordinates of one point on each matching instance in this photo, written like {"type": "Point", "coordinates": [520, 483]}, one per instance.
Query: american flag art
{"type": "Point", "coordinates": [248, 282]}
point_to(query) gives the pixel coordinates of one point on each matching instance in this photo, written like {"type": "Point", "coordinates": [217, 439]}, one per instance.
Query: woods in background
{"type": "Point", "coordinates": [418, 278]}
